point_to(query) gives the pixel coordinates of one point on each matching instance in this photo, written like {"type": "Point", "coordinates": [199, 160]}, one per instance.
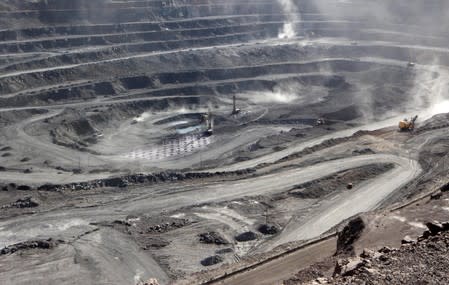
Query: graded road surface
{"type": "Point", "coordinates": [272, 272]}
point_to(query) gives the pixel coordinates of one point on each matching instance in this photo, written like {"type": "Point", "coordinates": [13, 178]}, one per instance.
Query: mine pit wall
{"type": "Point", "coordinates": [57, 12]}
{"type": "Point", "coordinates": [149, 41]}
{"type": "Point", "coordinates": [225, 89]}
{"type": "Point", "coordinates": [117, 68]}
{"type": "Point", "coordinates": [95, 12]}
{"type": "Point", "coordinates": [178, 73]}
{"type": "Point", "coordinates": [32, 80]}
{"type": "Point", "coordinates": [126, 29]}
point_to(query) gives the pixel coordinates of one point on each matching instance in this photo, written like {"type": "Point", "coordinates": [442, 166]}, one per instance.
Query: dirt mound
{"type": "Point", "coordinates": [212, 260]}
{"type": "Point", "coordinates": [148, 231]}
{"type": "Point", "coordinates": [27, 202]}
{"type": "Point", "coordinates": [41, 244]}
{"type": "Point", "coordinates": [212, 238]}
{"type": "Point", "coordinates": [136, 179]}
{"type": "Point", "coordinates": [350, 233]}
{"type": "Point", "coordinates": [156, 225]}
{"type": "Point", "coordinates": [23, 187]}
{"type": "Point", "coordinates": [268, 229]}
{"type": "Point", "coordinates": [6, 148]}
{"type": "Point", "coordinates": [224, 250]}
{"type": "Point", "coordinates": [246, 236]}
{"type": "Point", "coordinates": [152, 242]}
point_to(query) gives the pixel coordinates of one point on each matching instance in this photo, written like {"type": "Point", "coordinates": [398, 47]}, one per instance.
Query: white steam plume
{"type": "Point", "coordinates": [292, 18]}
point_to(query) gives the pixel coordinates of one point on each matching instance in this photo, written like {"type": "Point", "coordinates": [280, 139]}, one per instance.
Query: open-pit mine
{"type": "Point", "coordinates": [211, 141]}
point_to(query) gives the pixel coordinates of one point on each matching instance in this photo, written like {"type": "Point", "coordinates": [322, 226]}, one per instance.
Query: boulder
{"type": "Point", "coordinates": [367, 253]}
{"type": "Point", "coordinates": [347, 267]}
{"type": "Point", "coordinates": [41, 244]}
{"type": "Point", "coordinates": [434, 227]}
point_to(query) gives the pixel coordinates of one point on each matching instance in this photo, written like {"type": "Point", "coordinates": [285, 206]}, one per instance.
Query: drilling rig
{"type": "Point", "coordinates": [235, 110]}
{"type": "Point", "coordinates": [209, 120]}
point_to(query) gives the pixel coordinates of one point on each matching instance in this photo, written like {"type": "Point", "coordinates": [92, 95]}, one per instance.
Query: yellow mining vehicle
{"type": "Point", "coordinates": [408, 125]}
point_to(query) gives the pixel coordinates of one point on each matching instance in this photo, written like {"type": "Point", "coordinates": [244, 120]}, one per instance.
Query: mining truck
{"type": "Point", "coordinates": [408, 125]}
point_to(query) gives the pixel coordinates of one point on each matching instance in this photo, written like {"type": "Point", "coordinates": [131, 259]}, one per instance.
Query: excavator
{"type": "Point", "coordinates": [408, 125]}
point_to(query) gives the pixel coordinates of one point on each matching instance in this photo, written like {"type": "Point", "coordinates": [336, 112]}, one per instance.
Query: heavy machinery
{"type": "Point", "coordinates": [209, 121]}
{"type": "Point", "coordinates": [235, 110]}
{"type": "Point", "coordinates": [320, 122]}
{"type": "Point", "coordinates": [408, 125]}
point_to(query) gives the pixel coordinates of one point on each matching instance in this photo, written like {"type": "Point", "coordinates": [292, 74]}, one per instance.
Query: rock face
{"type": "Point", "coordinates": [212, 260]}
{"type": "Point", "coordinates": [416, 262]}
{"type": "Point", "coordinates": [246, 236]}
{"type": "Point", "coordinates": [351, 233]}
{"type": "Point", "coordinates": [212, 238]}
{"type": "Point", "coordinates": [434, 227]}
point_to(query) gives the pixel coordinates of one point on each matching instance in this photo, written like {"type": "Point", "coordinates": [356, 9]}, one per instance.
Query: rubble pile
{"type": "Point", "coordinates": [40, 244]}
{"type": "Point", "coordinates": [213, 238]}
{"type": "Point", "coordinates": [424, 261]}
{"type": "Point", "coordinates": [27, 202]}
{"type": "Point", "coordinates": [138, 179]}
